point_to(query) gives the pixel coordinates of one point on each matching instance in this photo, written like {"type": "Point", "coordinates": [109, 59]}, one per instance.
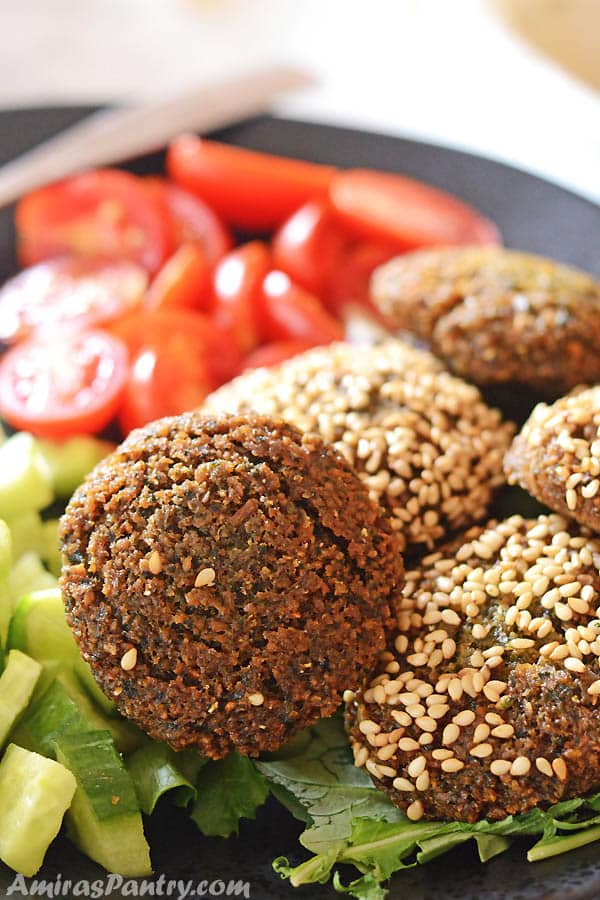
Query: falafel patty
{"type": "Point", "coordinates": [496, 316]}
{"type": "Point", "coordinates": [425, 444]}
{"type": "Point", "coordinates": [486, 704]}
{"type": "Point", "coordinates": [226, 579]}
{"type": "Point", "coordinates": [556, 456]}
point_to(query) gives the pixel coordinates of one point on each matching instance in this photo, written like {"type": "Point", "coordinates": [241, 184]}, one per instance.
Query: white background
{"type": "Point", "coordinates": [450, 71]}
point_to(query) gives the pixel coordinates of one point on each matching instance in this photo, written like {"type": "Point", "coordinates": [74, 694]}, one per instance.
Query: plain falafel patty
{"type": "Point", "coordinates": [486, 704]}
{"type": "Point", "coordinates": [424, 442]}
{"type": "Point", "coordinates": [556, 456]}
{"type": "Point", "coordinates": [227, 579]}
{"type": "Point", "coordinates": [497, 316]}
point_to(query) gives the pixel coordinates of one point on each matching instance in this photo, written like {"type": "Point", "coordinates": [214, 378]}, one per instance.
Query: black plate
{"type": "Point", "coordinates": [533, 215]}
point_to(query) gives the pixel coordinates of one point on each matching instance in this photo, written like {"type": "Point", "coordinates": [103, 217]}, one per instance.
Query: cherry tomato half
{"type": "Point", "coordinates": [237, 288]}
{"type": "Point", "coordinates": [291, 313]}
{"type": "Point", "coordinates": [309, 246]}
{"type": "Point", "coordinates": [164, 381]}
{"type": "Point", "coordinates": [106, 213]}
{"type": "Point", "coordinates": [154, 329]}
{"type": "Point", "coordinates": [184, 281]}
{"type": "Point", "coordinates": [191, 219]}
{"type": "Point", "coordinates": [68, 291]}
{"type": "Point", "coordinates": [64, 385]}
{"type": "Point", "coordinates": [349, 283]}
{"type": "Point", "coordinates": [408, 213]}
{"type": "Point", "coordinates": [251, 190]}
{"type": "Point", "coordinates": [274, 353]}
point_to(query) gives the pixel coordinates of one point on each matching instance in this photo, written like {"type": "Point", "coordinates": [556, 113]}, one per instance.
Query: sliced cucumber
{"type": "Point", "coordinates": [25, 476]}
{"type": "Point", "coordinates": [26, 530]}
{"type": "Point", "coordinates": [104, 819]}
{"type": "Point", "coordinates": [35, 793]}
{"type": "Point", "coordinates": [70, 461]}
{"type": "Point", "coordinates": [6, 551]}
{"type": "Point", "coordinates": [28, 575]}
{"type": "Point", "coordinates": [53, 714]}
{"type": "Point", "coordinates": [16, 687]}
{"type": "Point", "coordinates": [50, 546]}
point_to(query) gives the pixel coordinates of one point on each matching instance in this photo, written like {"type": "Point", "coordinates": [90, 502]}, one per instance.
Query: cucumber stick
{"type": "Point", "coordinates": [28, 575]}
{"type": "Point", "coordinates": [48, 717]}
{"type": "Point", "coordinates": [104, 819]}
{"type": "Point", "coordinates": [70, 461]}
{"type": "Point", "coordinates": [17, 682]}
{"type": "Point", "coordinates": [35, 793]}
{"type": "Point", "coordinates": [25, 476]}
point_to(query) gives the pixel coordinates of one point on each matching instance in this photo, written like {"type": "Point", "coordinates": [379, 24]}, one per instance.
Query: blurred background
{"type": "Point", "coordinates": [517, 80]}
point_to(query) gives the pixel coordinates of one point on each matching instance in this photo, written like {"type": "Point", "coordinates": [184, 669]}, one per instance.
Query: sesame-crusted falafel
{"type": "Point", "coordinates": [486, 704]}
{"type": "Point", "coordinates": [497, 316]}
{"type": "Point", "coordinates": [556, 456]}
{"type": "Point", "coordinates": [425, 444]}
{"type": "Point", "coordinates": [226, 579]}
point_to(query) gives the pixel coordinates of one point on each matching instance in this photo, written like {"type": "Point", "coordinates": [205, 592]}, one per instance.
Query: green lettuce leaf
{"type": "Point", "coordinates": [156, 770]}
{"type": "Point", "coordinates": [228, 790]}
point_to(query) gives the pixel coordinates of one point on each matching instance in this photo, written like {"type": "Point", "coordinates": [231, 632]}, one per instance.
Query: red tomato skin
{"type": "Point", "coordinates": [349, 284]}
{"type": "Point", "coordinates": [105, 212]}
{"type": "Point", "coordinates": [236, 289]}
{"type": "Point", "coordinates": [391, 207]}
{"type": "Point", "coordinates": [192, 220]}
{"type": "Point", "coordinates": [163, 382]}
{"type": "Point", "coordinates": [291, 313]}
{"type": "Point", "coordinates": [250, 190]}
{"type": "Point", "coordinates": [151, 329]}
{"type": "Point", "coordinates": [183, 282]}
{"type": "Point", "coordinates": [71, 291]}
{"type": "Point", "coordinates": [309, 246]}
{"type": "Point", "coordinates": [274, 353]}
{"type": "Point", "coordinates": [64, 417]}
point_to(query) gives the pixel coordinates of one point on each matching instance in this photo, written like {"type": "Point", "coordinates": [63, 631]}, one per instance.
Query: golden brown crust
{"type": "Point", "coordinates": [227, 578]}
{"type": "Point", "coordinates": [495, 315]}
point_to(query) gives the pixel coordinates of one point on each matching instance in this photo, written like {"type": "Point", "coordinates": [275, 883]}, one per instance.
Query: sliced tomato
{"type": "Point", "coordinates": [309, 246]}
{"type": "Point", "coordinates": [154, 329]}
{"type": "Point", "coordinates": [289, 312]}
{"type": "Point", "coordinates": [250, 190]}
{"type": "Point", "coordinates": [237, 289]}
{"type": "Point", "coordinates": [69, 291]}
{"type": "Point", "coordinates": [348, 284]}
{"type": "Point", "coordinates": [67, 384]}
{"type": "Point", "coordinates": [191, 219]}
{"type": "Point", "coordinates": [274, 353]}
{"type": "Point", "coordinates": [104, 213]}
{"type": "Point", "coordinates": [184, 281]}
{"type": "Point", "coordinates": [164, 381]}
{"type": "Point", "coordinates": [389, 207]}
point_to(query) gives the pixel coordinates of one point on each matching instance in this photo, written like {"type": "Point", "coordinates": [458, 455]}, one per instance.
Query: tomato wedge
{"type": "Point", "coordinates": [65, 385]}
{"type": "Point", "coordinates": [154, 329]}
{"type": "Point", "coordinates": [183, 282]}
{"type": "Point", "coordinates": [237, 287]}
{"type": "Point", "coordinates": [291, 313]}
{"type": "Point", "coordinates": [104, 213]}
{"type": "Point", "coordinates": [349, 283]}
{"type": "Point", "coordinates": [389, 207]}
{"type": "Point", "coordinates": [274, 353]}
{"type": "Point", "coordinates": [69, 291]}
{"type": "Point", "coordinates": [309, 246]}
{"type": "Point", "coordinates": [191, 219]}
{"type": "Point", "coordinates": [250, 190]}
{"type": "Point", "coordinates": [164, 381]}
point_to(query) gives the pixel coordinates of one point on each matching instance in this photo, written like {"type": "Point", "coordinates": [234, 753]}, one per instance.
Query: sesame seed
{"type": "Point", "coordinates": [205, 577]}
{"type": "Point", "coordinates": [520, 766]}
{"type": "Point", "coordinates": [450, 617]}
{"type": "Point", "coordinates": [452, 765]}
{"type": "Point", "coordinates": [522, 643]}
{"type": "Point", "coordinates": [416, 766]}
{"type": "Point", "coordinates": [373, 769]}
{"type": "Point", "coordinates": [369, 727]}
{"type": "Point", "coordinates": [438, 710]}
{"type": "Point", "coordinates": [442, 754]}
{"type": "Point", "coordinates": [387, 771]}
{"type": "Point", "coordinates": [408, 744]}
{"type": "Point", "coordinates": [155, 562]}
{"type": "Point", "coordinates": [594, 688]}
{"type": "Point", "coordinates": [129, 659]}
{"type": "Point", "coordinates": [464, 718]}
{"type": "Point", "coordinates": [401, 643]}
{"type": "Point", "coordinates": [426, 723]}
{"type": "Point", "coordinates": [571, 499]}
{"type": "Point", "coordinates": [256, 699]}
{"type": "Point", "coordinates": [500, 767]}
{"type": "Point", "coordinates": [544, 766]}
{"type": "Point", "coordinates": [403, 784]}
{"type": "Point", "coordinates": [481, 750]}
{"type": "Point", "coordinates": [417, 659]}
{"type": "Point", "coordinates": [560, 769]}
{"type": "Point", "coordinates": [387, 751]}
{"type": "Point", "coordinates": [503, 731]}
{"type": "Point", "coordinates": [415, 811]}
{"type": "Point", "coordinates": [423, 781]}
{"type": "Point", "coordinates": [348, 696]}
{"type": "Point", "coordinates": [578, 605]}
{"type": "Point", "coordinates": [481, 733]}
{"type": "Point", "coordinates": [425, 739]}
{"type": "Point", "coordinates": [574, 665]}
{"type": "Point", "coordinates": [415, 711]}
{"type": "Point", "coordinates": [455, 689]}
